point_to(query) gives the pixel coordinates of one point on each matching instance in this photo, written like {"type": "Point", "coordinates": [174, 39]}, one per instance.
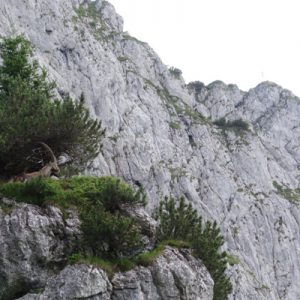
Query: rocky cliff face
{"type": "Point", "coordinates": [36, 242]}
{"type": "Point", "coordinates": [160, 134]}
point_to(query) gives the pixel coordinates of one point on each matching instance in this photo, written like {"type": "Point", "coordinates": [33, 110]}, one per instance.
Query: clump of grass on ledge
{"type": "Point", "coordinates": [147, 258]}
{"type": "Point", "coordinates": [79, 191]}
{"type": "Point", "coordinates": [232, 259]}
{"type": "Point", "coordinates": [99, 202]}
{"type": "Point", "coordinates": [111, 266]}
{"type": "Point", "coordinates": [174, 125]}
{"type": "Point", "coordinates": [105, 265]}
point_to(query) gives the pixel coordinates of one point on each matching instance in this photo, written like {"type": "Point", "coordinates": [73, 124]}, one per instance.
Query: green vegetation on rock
{"type": "Point", "coordinates": [174, 125]}
{"type": "Point", "coordinates": [148, 258]}
{"type": "Point", "coordinates": [87, 10]}
{"type": "Point", "coordinates": [30, 113]}
{"type": "Point", "coordinates": [89, 14]}
{"type": "Point", "coordinates": [292, 195]}
{"type": "Point", "coordinates": [178, 220]}
{"type": "Point", "coordinates": [107, 231]}
{"type": "Point", "coordinates": [111, 238]}
{"type": "Point", "coordinates": [232, 259]}
{"type": "Point", "coordinates": [238, 125]}
{"type": "Point", "coordinates": [175, 72]}
{"type": "Point", "coordinates": [123, 58]}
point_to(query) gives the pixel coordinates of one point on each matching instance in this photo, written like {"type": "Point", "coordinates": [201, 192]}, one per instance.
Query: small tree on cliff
{"type": "Point", "coordinates": [180, 221]}
{"type": "Point", "coordinates": [29, 113]}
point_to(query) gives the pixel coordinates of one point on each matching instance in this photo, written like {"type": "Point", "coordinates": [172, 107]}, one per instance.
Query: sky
{"type": "Point", "coordinates": [236, 41]}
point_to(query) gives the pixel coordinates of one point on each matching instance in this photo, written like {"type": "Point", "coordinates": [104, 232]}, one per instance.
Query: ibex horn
{"type": "Point", "coordinates": [48, 149]}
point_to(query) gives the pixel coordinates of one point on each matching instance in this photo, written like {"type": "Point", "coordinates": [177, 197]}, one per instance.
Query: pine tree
{"type": "Point", "coordinates": [176, 221]}
{"type": "Point", "coordinates": [29, 113]}
{"type": "Point", "coordinates": [180, 221]}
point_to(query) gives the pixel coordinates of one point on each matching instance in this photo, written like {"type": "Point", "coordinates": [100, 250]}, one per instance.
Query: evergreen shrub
{"type": "Point", "coordinates": [238, 124]}
{"type": "Point", "coordinates": [178, 220]}
{"type": "Point", "coordinates": [30, 113]}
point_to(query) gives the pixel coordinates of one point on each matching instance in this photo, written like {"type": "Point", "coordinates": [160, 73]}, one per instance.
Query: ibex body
{"type": "Point", "coordinates": [49, 169]}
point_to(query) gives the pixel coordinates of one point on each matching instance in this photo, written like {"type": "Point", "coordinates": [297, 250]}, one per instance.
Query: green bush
{"type": "Point", "coordinates": [175, 72]}
{"type": "Point", "coordinates": [107, 231]}
{"type": "Point", "coordinates": [180, 221]}
{"type": "Point", "coordinates": [176, 221]}
{"type": "Point", "coordinates": [36, 191]}
{"type": "Point", "coordinates": [177, 244]}
{"type": "Point", "coordinates": [238, 124]}
{"type": "Point", "coordinates": [109, 235]}
{"type": "Point", "coordinates": [207, 242]}
{"type": "Point", "coordinates": [29, 113]}
{"type": "Point", "coordinates": [197, 86]}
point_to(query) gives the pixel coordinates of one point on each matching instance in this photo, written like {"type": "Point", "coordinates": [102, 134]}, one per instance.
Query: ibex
{"type": "Point", "coordinates": [49, 169]}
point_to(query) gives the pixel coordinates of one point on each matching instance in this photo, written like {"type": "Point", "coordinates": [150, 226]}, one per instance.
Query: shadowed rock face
{"type": "Point", "coordinates": [157, 137]}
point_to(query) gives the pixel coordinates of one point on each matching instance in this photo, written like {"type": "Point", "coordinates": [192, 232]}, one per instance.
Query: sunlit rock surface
{"type": "Point", "coordinates": [160, 135]}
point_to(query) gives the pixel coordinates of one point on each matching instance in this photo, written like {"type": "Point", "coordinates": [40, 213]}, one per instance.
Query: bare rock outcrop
{"type": "Point", "coordinates": [176, 274]}
{"type": "Point", "coordinates": [75, 282]}
{"type": "Point", "coordinates": [36, 242]}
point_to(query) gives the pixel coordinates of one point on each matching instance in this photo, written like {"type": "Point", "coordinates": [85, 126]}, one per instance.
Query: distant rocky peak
{"type": "Point", "coordinates": [99, 10]}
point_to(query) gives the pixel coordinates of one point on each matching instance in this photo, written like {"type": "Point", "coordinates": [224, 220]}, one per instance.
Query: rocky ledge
{"type": "Point", "coordinates": [36, 242]}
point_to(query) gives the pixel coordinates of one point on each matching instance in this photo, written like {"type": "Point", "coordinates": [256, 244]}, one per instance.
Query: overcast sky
{"type": "Point", "coordinates": [236, 41]}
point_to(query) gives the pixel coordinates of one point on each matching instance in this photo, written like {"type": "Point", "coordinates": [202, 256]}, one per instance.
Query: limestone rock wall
{"type": "Point", "coordinates": [157, 136]}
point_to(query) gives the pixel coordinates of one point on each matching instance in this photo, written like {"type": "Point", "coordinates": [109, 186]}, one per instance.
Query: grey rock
{"type": "Point", "coordinates": [227, 175]}
{"type": "Point", "coordinates": [176, 274]}
{"type": "Point", "coordinates": [75, 282]}
{"type": "Point", "coordinates": [34, 243]}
